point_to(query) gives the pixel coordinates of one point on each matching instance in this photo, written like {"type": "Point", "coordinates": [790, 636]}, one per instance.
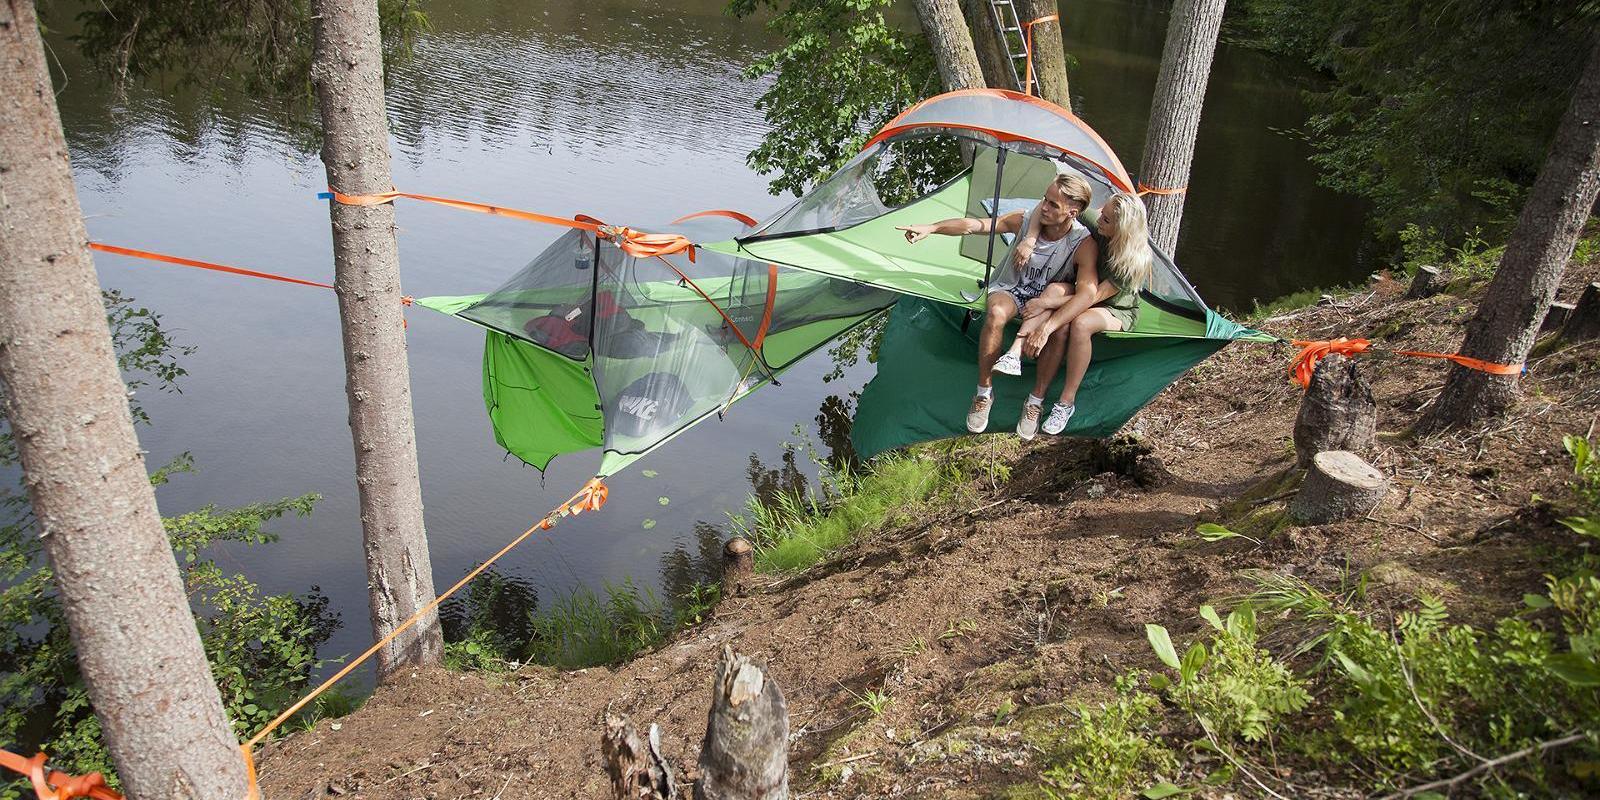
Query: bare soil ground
{"type": "Point", "coordinates": [1036, 595]}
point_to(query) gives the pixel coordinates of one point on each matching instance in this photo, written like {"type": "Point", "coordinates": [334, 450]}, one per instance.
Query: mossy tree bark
{"type": "Point", "coordinates": [135, 637]}
{"type": "Point", "coordinates": [1175, 112]}
{"type": "Point", "coordinates": [947, 33]}
{"type": "Point", "coordinates": [347, 68]}
{"type": "Point", "coordinates": [1508, 317]}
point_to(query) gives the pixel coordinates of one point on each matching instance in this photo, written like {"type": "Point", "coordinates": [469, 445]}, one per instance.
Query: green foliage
{"type": "Point", "coordinates": [1212, 532]}
{"type": "Point", "coordinates": [1234, 688]}
{"type": "Point", "coordinates": [1438, 111]}
{"type": "Point", "coordinates": [1585, 486]}
{"type": "Point", "coordinates": [257, 46]}
{"type": "Point", "coordinates": [842, 72]}
{"type": "Point", "coordinates": [480, 651]}
{"type": "Point", "coordinates": [793, 531]}
{"type": "Point", "coordinates": [585, 630]}
{"type": "Point", "coordinates": [873, 701]}
{"type": "Point", "coordinates": [1113, 750]}
{"type": "Point", "coordinates": [695, 606]}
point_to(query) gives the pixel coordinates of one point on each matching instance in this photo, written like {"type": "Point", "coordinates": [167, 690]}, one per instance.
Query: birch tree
{"type": "Point", "coordinates": [347, 69]}
{"type": "Point", "coordinates": [138, 649]}
{"type": "Point", "coordinates": [1175, 112]}
{"type": "Point", "coordinates": [1537, 253]}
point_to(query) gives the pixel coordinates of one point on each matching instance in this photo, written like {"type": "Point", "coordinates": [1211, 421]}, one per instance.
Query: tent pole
{"type": "Point", "coordinates": [994, 221]}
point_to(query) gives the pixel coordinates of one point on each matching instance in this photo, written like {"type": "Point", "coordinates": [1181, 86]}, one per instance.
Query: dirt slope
{"type": "Point", "coordinates": [1036, 595]}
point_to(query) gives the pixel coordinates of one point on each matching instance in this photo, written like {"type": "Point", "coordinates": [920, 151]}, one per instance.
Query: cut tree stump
{"type": "Point", "coordinates": [1556, 316]}
{"type": "Point", "coordinates": [637, 770]}
{"type": "Point", "coordinates": [738, 567]}
{"type": "Point", "coordinates": [1428, 282]}
{"type": "Point", "coordinates": [1339, 486]}
{"type": "Point", "coordinates": [746, 751]}
{"type": "Point", "coordinates": [1337, 413]}
{"type": "Point", "coordinates": [1584, 323]}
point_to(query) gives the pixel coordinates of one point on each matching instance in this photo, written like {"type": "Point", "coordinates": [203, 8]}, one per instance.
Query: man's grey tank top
{"type": "Point", "coordinates": [1033, 277]}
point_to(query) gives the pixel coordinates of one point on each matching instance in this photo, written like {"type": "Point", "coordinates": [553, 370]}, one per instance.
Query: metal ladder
{"type": "Point", "coordinates": [1008, 26]}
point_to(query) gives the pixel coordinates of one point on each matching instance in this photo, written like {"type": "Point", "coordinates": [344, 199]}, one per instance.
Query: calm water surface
{"type": "Point", "coordinates": [630, 112]}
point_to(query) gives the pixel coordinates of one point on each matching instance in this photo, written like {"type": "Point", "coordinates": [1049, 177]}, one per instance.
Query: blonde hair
{"type": "Point", "coordinates": [1075, 188]}
{"type": "Point", "coordinates": [1128, 257]}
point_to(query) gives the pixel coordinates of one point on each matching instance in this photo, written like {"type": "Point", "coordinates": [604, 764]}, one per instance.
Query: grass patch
{"type": "Point", "coordinates": [795, 532]}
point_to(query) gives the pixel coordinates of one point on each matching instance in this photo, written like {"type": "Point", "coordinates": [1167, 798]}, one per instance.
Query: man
{"type": "Point", "coordinates": [1060, 269]}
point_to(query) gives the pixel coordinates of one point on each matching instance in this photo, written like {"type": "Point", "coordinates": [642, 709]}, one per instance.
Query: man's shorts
{"type": "Point", "coordinates": [1019, 295]}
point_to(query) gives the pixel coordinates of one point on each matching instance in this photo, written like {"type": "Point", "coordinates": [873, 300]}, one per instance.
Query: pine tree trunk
{"type": "Point", "coordinates": [1175, 112]}
{"type": "Point", "coordinates": [947, 34]}
{"type": "Point", "coordinates": [348, 71]}
{"type": "Point", "coordinates": [992, 58]}
{"type": "Point", "coordinates": [1049, 52]}
{"type": "Point", "coordinates": [135, 636]}
{"type": "Point", "coordinates": [1536, 254]}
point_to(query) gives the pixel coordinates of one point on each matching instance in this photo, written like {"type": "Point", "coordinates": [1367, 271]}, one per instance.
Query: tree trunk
{"type": "Point", "coordinates": [992, 58]}
{"type": "Point", "coordinates": [1339, 486]}
{"type": "Point", "coordinates": [947, 34]}
{"type": "Point", "coordinates": [1175, 112]}
{"type": "Point", "coordinates": [135, 636]}
{"type": "Point", "coordinates": [1337, 413]}
{"type": "Point", "coordinates": [1428, 282]}
{"type": "Point", "coordinates": [347, 69]}
{"type": "Point", "coordinates": [1583, 322]}
{"type": "Point", "coordinates": [1536, 254]}
{"type": "Point", "coordinates": [635, 766]}
{"type": "Point", "coordinates": [1049, 52]}
{"type": "Point", "coordinates": [745, 755]}
{"type": "Point", "coordinates": [738, 567]}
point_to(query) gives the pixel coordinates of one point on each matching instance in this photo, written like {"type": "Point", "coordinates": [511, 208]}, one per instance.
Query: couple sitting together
{"type": "Point", "coordinates": [1067, 282]}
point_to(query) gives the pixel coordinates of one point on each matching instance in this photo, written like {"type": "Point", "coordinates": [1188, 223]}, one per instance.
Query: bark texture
{"type": "Point", "coordinates": [946, 31]}
{"type": "Point", "coordinates": [347, 69]}
{"type": "Point", "coordinates": [136, 641]}
{"type": "Point", "coordinates": [634, 764]}
{"type": "Point", "coordinates": [1530, 271]}
{"type": "Point", "coordinates": [1337, 413]}
{"type": "Point", "coordinates": [992, 58]}
{"type": "Point", "coordinates": [1175, 112]}
{"type": "Point", "coordinates": [1339, 486]}
{"type": "Point", "coordinates": [1049, 52]}
{"type": "Point", "coordinates": [746, 751]}
{"type": "Point", "coordinates": [1583, 322]}
{"type": "Point", "coordinates": [1428, 282]}
{"type": "Point", "coordinates": [738, 567]}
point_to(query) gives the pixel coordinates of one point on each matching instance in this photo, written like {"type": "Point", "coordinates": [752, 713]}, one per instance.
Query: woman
{"type": "Point", "coordinates": [1124, 271]}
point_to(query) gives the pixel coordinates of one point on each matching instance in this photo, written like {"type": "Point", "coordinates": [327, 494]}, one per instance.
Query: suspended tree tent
{"type": "Point", "coordinates": [845, 229]}
{"type": "Point", "coordinates": [596, 345]}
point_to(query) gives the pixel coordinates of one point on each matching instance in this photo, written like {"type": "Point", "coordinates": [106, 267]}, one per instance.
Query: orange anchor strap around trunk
{"type": "Point", "coordinates": [1312, 352]}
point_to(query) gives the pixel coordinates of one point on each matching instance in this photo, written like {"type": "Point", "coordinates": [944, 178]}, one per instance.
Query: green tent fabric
{"type": "Point", "coordinates": [927, 370]}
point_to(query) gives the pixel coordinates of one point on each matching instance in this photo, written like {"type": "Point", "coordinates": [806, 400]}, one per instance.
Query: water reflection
{"type": "Point", "coordinates": [495, 606]}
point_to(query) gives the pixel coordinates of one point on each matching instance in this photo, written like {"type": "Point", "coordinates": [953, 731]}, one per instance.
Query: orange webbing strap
{"type": "Point", "coordinates": [1027, 29]}
{"type": "Point", "coordinates": [719, 212]}
{"type": "Point", "coordinates": [1311, 352]}
{"type": "Point", "coordinates": [772, 297]}
{"type": "Point", "coordinates": [634, 243]}
{"type": "Point", "coordinates": [589, 498]}
{"type": "Point", "coordinates": [189, 262]}
{"type": "Point", "coordinates": [1160, 191]}
{"type": "Point", "coordinates": [53, 785]}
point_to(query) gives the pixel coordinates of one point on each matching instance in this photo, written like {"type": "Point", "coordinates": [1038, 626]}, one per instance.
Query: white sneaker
{"type": "Point", "coordinates": [1060, 414]}
{"type": "Point", "coordinates": [1029, 424]}
{"type": "Point", "coordinates": [978, 415]}
{"type": "Point", "coordinates": [1008, 364]}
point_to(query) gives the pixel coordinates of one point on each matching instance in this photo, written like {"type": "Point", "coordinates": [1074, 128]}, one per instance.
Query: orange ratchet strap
{"type": "Point", "coordinates": [1311, 352]}
{"type": "Point", "coordinates": [632, 242]}
{"type": "Point", "coordinates": [53, 785]}
{"type": "Point", "coordinates": [1028, 47]}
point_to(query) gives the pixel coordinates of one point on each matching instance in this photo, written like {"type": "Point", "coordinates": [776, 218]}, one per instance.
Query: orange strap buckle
{"type": "Point", "coordinates": [590, 498]}
{"type": "Point", "coordinates": [53, 785]}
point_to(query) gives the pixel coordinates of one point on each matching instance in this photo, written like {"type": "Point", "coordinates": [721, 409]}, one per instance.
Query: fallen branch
{"type": "Point", "coordinates": [1488, 765]}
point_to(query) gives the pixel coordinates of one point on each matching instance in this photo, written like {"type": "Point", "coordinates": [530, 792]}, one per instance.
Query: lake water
{"type": "Point", "coordinates": [558, 108]}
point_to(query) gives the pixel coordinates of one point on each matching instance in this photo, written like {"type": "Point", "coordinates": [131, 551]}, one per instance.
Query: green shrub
{"type": "Point", "coordinates": [1112, 751]}
{"type": "Point", "coordinates": [585, 630]}
{"type": "Point", "coordinates": [1234, 688]}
